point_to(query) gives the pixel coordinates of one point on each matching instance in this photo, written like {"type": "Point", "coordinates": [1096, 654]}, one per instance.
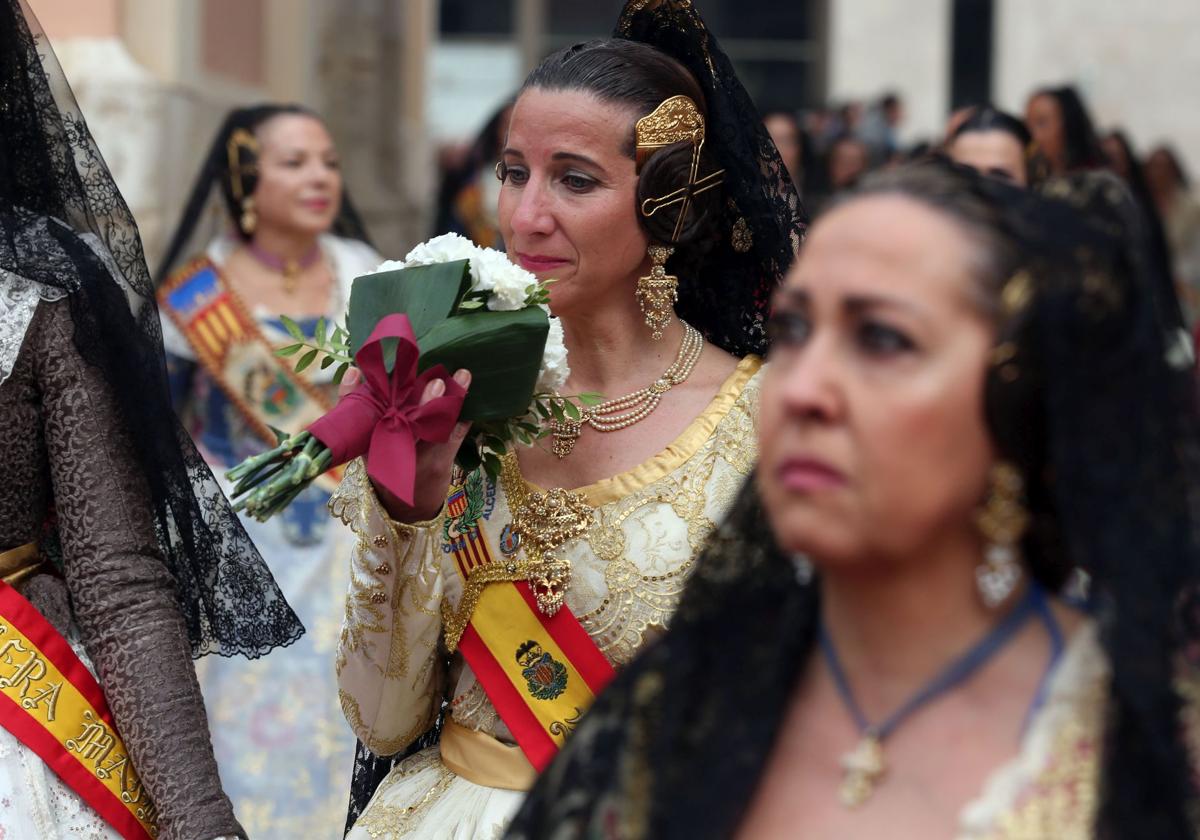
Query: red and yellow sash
{"type": "Point", "coordinates": [52, 704]}
{"type": "Point", "coordinates": [229, 344]}
{"type": "Point", "coordinates": [540, 671]}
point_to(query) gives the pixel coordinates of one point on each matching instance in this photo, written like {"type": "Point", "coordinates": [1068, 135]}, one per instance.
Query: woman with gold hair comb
{"type": "Point", "coordinates": [637, 175]}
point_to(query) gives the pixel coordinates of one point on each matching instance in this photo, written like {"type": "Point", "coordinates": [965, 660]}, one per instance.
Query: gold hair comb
{"type": "Point", "coordinates": [677, 119]}
{"type": "Point", "coordinates": [240, 139]}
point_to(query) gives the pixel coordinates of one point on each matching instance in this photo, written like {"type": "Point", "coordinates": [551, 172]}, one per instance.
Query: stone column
{"type": "Point", "coordinates": [370, 87]}
{"type": "Point", "coordinates": [880, 45]}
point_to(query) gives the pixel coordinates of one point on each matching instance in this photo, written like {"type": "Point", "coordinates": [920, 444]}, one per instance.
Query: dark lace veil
{"type": "Point", "coordinates": [765, 221]}
{"type": "Point", "coordinates": [63, 224]}
{"type": "Point", "coordinates": [1102, 423]}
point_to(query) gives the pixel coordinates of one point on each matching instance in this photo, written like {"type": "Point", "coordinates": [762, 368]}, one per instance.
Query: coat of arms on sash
{"type": "Point", "coordinates": [231, 346]}
{"type": "Point", "coordinates": [464, 508]}
{"type": "Point", "coordinates": [547, 677]}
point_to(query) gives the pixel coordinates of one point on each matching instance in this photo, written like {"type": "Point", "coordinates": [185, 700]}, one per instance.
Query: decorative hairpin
{"type": "Point", "coordinates": [240, 140]}
{"type": "Point", "coordinates": [676, 120]}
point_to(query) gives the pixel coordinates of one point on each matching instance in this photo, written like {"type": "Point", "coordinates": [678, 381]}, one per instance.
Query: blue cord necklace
{"type": "Point", "coordinates": [864, 766]}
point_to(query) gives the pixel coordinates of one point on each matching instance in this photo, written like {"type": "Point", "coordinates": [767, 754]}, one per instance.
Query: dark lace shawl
{"type": "Point", "coordinates": [729, 297]}
{"type": "Point", "coordinates": [55, 188]}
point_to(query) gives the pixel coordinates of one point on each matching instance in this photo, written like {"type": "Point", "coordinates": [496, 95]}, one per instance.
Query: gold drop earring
{"type": "Point", "coordinates": [1002, 521]}
{"type": "Point", "coordinates": [658, 291]}
{"type": "Point", "coordinates": [249, 219]}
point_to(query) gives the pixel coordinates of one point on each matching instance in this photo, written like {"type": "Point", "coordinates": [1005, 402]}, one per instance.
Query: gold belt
{"type": "Point", "coordinates": [18, 563]}
{"type": "Point", "coordinates": [480, 758]}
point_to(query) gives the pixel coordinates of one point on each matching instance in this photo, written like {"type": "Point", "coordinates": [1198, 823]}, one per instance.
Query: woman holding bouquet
{"type": "Point", "coordinates": [289, 242]}
{"type": "Point", "coordinates": [635, 170]}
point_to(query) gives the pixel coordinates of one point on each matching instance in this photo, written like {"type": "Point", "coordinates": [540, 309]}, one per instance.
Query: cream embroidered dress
{"type": "Point", "coordinates": [627, 572]}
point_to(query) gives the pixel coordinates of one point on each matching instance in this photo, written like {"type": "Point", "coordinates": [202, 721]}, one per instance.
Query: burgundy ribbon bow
{"type": "Point", "coordinates": [383, 417]}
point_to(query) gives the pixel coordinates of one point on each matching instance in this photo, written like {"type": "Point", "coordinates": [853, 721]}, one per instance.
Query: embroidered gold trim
{"type": "Point", "coordinates": [544, 521]}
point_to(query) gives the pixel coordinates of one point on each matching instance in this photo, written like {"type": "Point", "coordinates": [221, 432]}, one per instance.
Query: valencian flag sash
{"type": "Point", "coordinates": [229, 344]}
{"type": "Point", "coordinates": [52, 704]}
{"type": "Point", "coordinates": [540, 671]}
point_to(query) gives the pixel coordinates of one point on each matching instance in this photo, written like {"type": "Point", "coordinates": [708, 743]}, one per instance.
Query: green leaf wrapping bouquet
{"type": "Point", "coordinates": [448, 305]}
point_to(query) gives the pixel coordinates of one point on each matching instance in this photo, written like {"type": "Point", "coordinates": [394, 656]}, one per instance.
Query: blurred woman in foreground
{"type": "Point", "coordinates": [967, 403]}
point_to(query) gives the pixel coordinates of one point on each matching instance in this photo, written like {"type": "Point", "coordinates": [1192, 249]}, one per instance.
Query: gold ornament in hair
{"type": "Point", "coordinates": [674, 121]}
{"type": "Point", "coordinates": [240, 140]}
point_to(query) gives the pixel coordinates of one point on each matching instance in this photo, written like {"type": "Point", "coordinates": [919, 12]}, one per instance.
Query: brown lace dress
{"type": "Point", "coordinates": [62, 445]}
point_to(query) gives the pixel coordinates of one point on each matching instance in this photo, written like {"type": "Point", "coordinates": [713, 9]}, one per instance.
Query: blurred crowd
{"type": "Point", "coordinates": [829, 149]}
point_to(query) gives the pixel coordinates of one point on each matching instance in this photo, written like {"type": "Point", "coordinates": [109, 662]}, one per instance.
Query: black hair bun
{"type": "Point", "coordinates": [669, 170]}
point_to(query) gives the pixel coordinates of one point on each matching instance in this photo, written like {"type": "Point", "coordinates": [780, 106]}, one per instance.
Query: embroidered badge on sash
{"type": "Point", "coordinates": [547, 676]}
{"type": "Point", "coordinates": [510, 541]}
{"type": "Point", "coordinates": [231, 346]}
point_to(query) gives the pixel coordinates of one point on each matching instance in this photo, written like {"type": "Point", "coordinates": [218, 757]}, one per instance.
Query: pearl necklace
{"type": "Point", "coordinates": [623, 412]}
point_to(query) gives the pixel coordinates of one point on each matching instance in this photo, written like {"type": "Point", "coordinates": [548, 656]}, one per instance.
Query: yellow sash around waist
{"type": "Point", "coordinates": [482, 759]}
{"type": "Point", "coordinates": [18, 563]}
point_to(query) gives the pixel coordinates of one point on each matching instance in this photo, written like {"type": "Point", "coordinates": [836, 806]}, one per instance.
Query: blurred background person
{"type": "Point", "coordinates": [1179, 207]}
{"type": "Point", "coordinates": [268, 231]}
{"type": "Point", "coordinates": [849, 160]}
{"type": "Point", "coordinates": [880, 126]}
{"type": "Point", "coordinates": [994, 142]}
{"type": "Point", "coordinates": [957, 117]}
{"type": "Point", "coordinates": [1124, 162]}
{"type": "Point", "coordinates": [469, 190]}
{"type": "Point", "coordinates": [1066, 143]}
{"type": "Point", "coordinates": [1063, 133]}
{"type": "Point", "coordinates": [794, 148]}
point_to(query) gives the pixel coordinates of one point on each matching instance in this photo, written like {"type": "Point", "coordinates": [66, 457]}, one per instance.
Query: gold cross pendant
{"type": "Point", "coordinates": [862, 769]}
{"type": "Point", "coordinates": [291, 276]}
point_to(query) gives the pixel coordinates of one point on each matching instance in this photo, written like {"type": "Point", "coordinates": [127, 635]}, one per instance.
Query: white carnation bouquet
{"type": "Point", "coordinates": [449, 304]}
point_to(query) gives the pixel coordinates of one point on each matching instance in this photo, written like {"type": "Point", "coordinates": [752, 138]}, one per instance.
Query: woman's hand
{"type": "Point", "coordinates": [434, 460]}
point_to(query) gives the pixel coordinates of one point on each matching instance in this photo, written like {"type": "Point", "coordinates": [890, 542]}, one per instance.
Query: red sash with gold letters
{"type": "Point", "coordinates": [52, 704]}
{"type": "Point", "coordinates": [541, 672]}
{"type": "Point", "coordinates": [228, 343]}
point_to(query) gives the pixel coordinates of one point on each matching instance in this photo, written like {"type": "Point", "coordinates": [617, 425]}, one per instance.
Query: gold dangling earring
{"type": "Point", "coordinates": [1003, 521]}
{"type": "Point", "coordinates": [249, 220]}
{"type": "Point", "coordinates": [658, 291]}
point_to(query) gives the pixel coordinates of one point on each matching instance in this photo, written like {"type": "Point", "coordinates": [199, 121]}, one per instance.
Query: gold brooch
{"type": "Point", "coordinates": [544, 522]}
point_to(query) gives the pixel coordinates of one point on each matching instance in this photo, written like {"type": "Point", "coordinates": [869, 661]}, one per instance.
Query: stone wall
{"type": "Point", "coordinates": [884, 45]}
{"type": "Point", "coordinates": [153, 103]}
{"type": "Point", "coordinates": [1137, 64]}
{"type": "Point", "coordinates": [371, 91]}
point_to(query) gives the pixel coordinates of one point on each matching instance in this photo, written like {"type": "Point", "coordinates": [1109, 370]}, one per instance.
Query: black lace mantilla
{"type": "Point", "coordinates": [765, 222]}
{"type": "Point", "coordinates": [63, 223]}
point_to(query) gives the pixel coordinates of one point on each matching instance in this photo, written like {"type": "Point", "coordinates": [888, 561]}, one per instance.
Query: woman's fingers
{"type": "Point", "coordinates": [349, 382]}
{"type": "Point", "coordinates": [437, 387]}
{"type": "Point", "coordinates": [433, 389]}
